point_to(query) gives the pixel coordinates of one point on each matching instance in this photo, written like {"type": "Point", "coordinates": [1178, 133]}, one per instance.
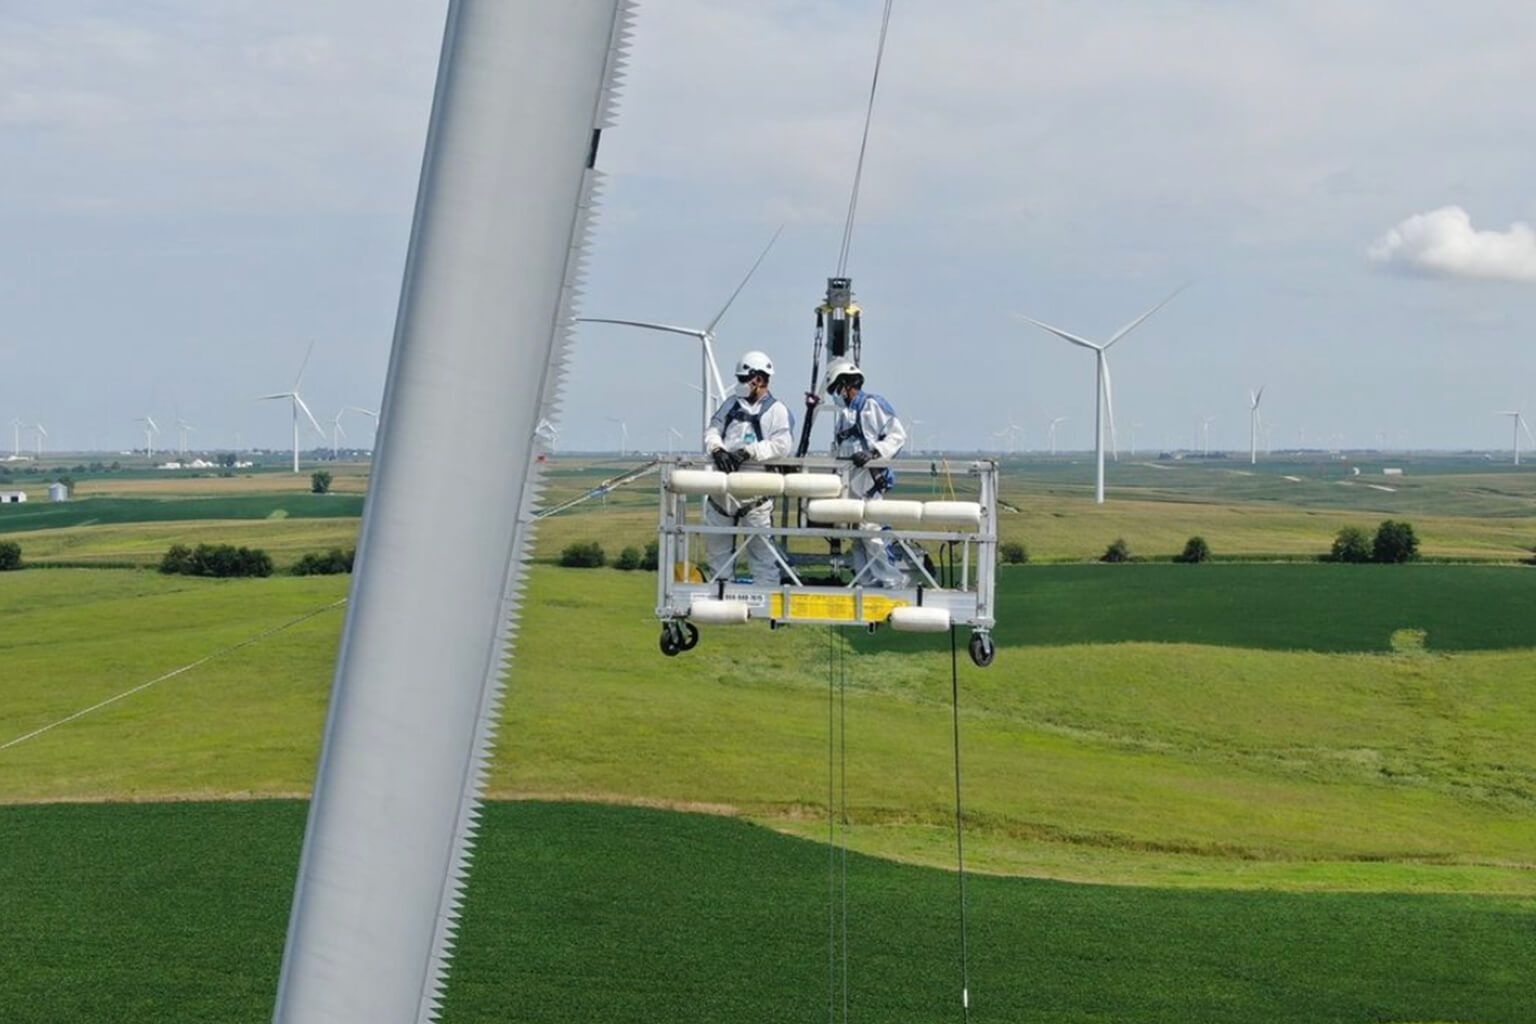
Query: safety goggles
{"type": "Point", "coordinates": [747, 378]}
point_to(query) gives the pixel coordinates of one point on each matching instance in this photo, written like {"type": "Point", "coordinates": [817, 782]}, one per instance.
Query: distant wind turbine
{"type": "Point", "coordinates": [16, 426]}
{"type": "Point", "coordinates": [1103, 393]}
{"type": "Point", "coordinates": [1051, 434]}
{"type": "Point", "coordinates": [1205, 434]}
{"type": "Point", "coordinates": [1254, 398]}
{"type": "Point", "coordinates": [296, 403]}
{"type": "Point", "coordinates": [1518, 424]}
{"type": "Point", "coordinates": [184, 428]}
{"type": "Point", "coordinates": [673, 434]}
{"type": "Point", "coordinates": [1134, 427]}
{"type": "Point", "coordinates": [40, 432]}
{"type": "Point", "coordinates": [151, 428]}
{"type": "Point", "coordinates": [713, 388]}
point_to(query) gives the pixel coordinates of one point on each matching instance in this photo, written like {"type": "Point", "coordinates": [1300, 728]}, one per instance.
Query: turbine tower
{"type": "Point", "coordinates": [713, 389]}
{"type": "Point", "coordinates": [40, 433]}
{"type": "Point", "coordinates": [1205, 434]}
{"type": "Point", "coordinates": [623, 434]}
{"type": "Point", "coordinates": [1254, 398]}
{"type": "Point", "coordinates": [1103, 393]}
{"type": "Point", "coordinates": [16, 426]}
{"type": "Point", "coordinates": [184, 428]}
{"type": "Point", "coordinates": [336, 433]}
{"type": "Point", "coordinates": [1518, 424]}
{"type": "Point", "coordinates": [296, 403]}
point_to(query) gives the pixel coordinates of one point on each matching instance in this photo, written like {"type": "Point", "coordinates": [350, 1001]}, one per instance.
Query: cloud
{"type": "Point", "coordinates": [1443, 243]}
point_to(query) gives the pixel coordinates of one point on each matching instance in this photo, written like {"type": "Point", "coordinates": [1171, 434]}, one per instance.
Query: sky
{"type": "Point", "coordinates": [192, 193]}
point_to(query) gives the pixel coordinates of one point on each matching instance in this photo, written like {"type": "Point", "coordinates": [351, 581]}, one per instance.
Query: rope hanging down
{"type": "Point", "coordinates": [858, 173]}
{"type": "Point", "coordinates": [837, 823]}
{"type": "Point", "coordinates": [954, 695]}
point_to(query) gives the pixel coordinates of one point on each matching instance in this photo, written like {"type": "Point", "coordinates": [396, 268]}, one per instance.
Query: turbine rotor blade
{"type": "Point", "coordinates": [692, 332]}
{"type": "Point", "coordinates": [304, 366]}
{"type": "Point", "coordinates": [1128, 328]}
{"type": "Point", "coordinates": [312, 421]}
{"type": "Point", "coordinates": [1109, 407]}
{"type": "Point", "coordinates": [752, 270]}
{"type": "Point", "coordinates": [1064, 335]}
{"type": "Point", "coordinates": [268, 398]}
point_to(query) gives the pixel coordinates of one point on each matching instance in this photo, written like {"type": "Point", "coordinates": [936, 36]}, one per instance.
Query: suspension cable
{"type": "Point", "coordinates": [954, 693]}
{"type": "Point", "coordinates": [858, 173]}
{"type": "Point", "coordinates": [831, 830]}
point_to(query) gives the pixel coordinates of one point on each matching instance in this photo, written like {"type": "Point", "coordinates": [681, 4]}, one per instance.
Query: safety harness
{"type": "Point", "coordinates": [739, 414]}
{"type": "Point", "coordinates": [882, 478]}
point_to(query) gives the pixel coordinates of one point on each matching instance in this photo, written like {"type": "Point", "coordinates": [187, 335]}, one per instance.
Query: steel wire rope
{"type": "Point", "coordinates": [954, 696]}
{"type": "Point", "coordinates": [858, 172]}
{"type": "Point", "coordinates": [831, 831]}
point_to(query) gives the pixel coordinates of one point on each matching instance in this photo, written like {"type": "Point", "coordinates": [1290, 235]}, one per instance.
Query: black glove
{"type": "Point", "coordinates": [723, 461]}
{"type": "Point", "coordinates": [859, 458]}
{"type": "Point", "coordinates": [740, 457]}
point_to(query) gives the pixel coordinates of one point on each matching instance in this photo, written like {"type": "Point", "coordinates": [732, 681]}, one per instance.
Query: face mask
{"type": "Point", "coordinates": [744, 390]}
{"type": "Point", "coordinates": [839, 400]}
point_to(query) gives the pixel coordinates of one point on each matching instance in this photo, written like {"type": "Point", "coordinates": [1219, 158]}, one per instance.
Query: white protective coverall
{"type": "Point", "coordinates": [764, 430]}
{"type": "Point", "coordinates": [869, 423]}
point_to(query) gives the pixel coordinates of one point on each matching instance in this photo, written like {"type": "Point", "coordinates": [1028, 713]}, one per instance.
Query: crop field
{"type": "Point", "coordinates": [1237, 791]}
{"type": "Point", "coordinates": [588, 913]}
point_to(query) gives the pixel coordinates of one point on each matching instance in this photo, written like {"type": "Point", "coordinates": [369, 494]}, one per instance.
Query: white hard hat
{"type": "Point", "coordinates": [842, 368]}
{"type": "Point", "coordinates": [754, 362]}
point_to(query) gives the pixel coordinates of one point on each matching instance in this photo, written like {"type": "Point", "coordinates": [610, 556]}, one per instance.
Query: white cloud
{"type": "Point", "coordinates": [1443, 243]}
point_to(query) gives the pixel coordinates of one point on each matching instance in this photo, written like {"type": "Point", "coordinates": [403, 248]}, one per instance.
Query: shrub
{"type": "Point", "coordinates": [1119, 551]}
{"type": "Point", "coordinates": [222, 560]}
{"type": "Point", "coordinates": [1351, 545]}
{"type": "Point", "coordinates": [1195, 550]}
{"type": "Point", "coordinates": [1395, 542]}
{"type": "Point", "coordinates": [583, 555]}
{"type": "Point", "coordinates": [1012, 553]}
{"type": "Point", "coordinates": [652, 555]}
{"type": "Point", "coordinates": [331, 563]}
{"type": "Point", "coordinates": [320, 482]}
{"type": "Point", "coordinates": [10, 555]}
{"type": "Point", "coordinates": [628, 560]}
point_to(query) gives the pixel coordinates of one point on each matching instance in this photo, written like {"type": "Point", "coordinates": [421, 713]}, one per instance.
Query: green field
{"type": "Point", "coordinates": [1229, 792]}
{"type": "Point", "coordinates": [583, 913]}
{"type": "Point", "coordinates": [113, 511]}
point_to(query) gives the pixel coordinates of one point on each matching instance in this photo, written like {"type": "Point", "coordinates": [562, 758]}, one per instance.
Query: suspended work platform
{"type": "Point", "coordinates": [945, 545]}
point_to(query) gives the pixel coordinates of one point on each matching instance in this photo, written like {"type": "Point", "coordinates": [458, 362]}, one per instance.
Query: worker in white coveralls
{"type": "Point", "coordinates": [866, 428]}
{"type": "Point", "coordinates": [751, 426]}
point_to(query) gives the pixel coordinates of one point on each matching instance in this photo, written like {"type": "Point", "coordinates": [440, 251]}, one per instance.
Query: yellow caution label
{"type": "Point", "coordinates": [836, 607]}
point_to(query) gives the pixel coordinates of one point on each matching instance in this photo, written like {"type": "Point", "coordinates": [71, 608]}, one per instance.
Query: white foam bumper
{"type": "Point", "coordinates": [698, 481]}
{"type": "Point", "coordinates": [813, 485]}
{"type": "Point", "coordinates": [894, 513]}
{"type": "Point", "coordinates": [919, 620]}
{"type": "Point", "coordinates": [835, 510]}
{"type": "Point", "coordinates": [754, 485]}
{"type": "Point", "coordinates": [962, 514]}
{"type": "Point", "coordinates": [708, 611]}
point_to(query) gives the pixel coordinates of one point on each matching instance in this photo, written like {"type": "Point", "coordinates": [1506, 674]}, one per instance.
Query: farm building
{"type": "Point", "coordinates": [58, 492]}
{"type": "Point", "coordinates": [12, 497]}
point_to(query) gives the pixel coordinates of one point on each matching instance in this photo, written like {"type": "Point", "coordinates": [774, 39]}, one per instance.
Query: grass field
{"type": "Point", "coordinates": [1167, 764]}
{"type": "Point", "coordinates": [586, 913]}
{"type": "Point", "coordinates": [143, 544]}
{"type": "Point", "coordinates": [117, 511]}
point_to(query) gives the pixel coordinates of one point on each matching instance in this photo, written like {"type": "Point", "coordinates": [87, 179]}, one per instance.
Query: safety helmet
{"type": "Point", "coordinates": [754, 362]}
{"type": "Point", "coordinates": [839, 368]}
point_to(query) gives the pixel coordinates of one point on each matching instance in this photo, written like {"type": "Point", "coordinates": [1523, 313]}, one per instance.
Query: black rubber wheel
{"type": "Point", "coordinates": [690, 636]}
{"type": "Point", "coordinates": [982, 650]}
{"type": "Point", "coordinates": [668, 642]}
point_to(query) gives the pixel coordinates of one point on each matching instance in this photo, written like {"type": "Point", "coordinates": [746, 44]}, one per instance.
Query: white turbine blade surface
{"type": "Point", "coordinates": [1064, 335]}
{"type": "Point", "coordinates": [491, 279]}
{"type": "Point", "coordinates": [750, 271]}
{"type": "Point", "coordinates": [312, 421]}
{"type": "Point", "coordinates": [1128, 328]}
{"type": "Point", "coordinates": [1258, 397]}
{"type": "Point", "coordinates": [1109, 408]}
{"type": "Point", "coordinates": [714, 368]}
{"type": "Point", "coordinates": [692, 332]}
{"type": "Point", "coordinates": [268, 398]}
{"type": "Point", "coordinates": [150, 420]}
{"type": "Point", "coordinates": [1527, 428]}
{"type": "Point", "coordinates": [304, 366]}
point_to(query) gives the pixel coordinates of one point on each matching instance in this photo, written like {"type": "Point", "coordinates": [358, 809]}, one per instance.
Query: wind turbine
{"type": "Point", "coordinates": [16, 426]}
{"type": "Point", "coordinates": [296, 403]}
{"type": "Point", "coordinates": [184, 428]}
{"type": "Point", "coordinates": [623, 434]}
{"type": "Point", "coordinates": [1518, 424]}
{"type": "Point", "coordinates": [912, 434]}
{"type": "Point", "coordinates": [1254, 398]}
{"type": "Point", "coordinates": [41, 432]}
{"type": "Point", "coordinates": [1051, 434]}
{"type": "Point", "coordinates": [713, 389]}
{"type": "Point", "coordinates": [151, 428]}
{"type": "Point", "coordinates": [1134, 427]}
{"type": "Point", "coordinates": [1103, 392]}
{"type": "Point", "coordinates": [673, 434]}
{"type": "Point", "coordinates": [1205, 434]}
{"type": "Point", "coordinates": [336, 432]}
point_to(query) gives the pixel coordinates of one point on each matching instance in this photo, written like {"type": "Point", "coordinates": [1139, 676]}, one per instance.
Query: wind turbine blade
{"type": "Point", "coordinates": [303, 366]}
{"type": "Point", "coordinates": [312, 421]}
{"type": "Point", "coordinates": [752, 270]}
{"type": "Point", "coordinates": [1064, 335]}
{"type": "Point", "coordinates": [268, 398]}
{"type": "Point", "coordinates": [1109, 407]}
{"type": "Point", "coordinates": [152, 424]}
{"type": "Point", "coordinates": [1128, 328]}
{"type": "Point", "coordinates": [714, 367]}
{"type": "Point", "coordinates": [1258, 397]}
{"type": "Point", "coordinates": [692, 332]}
{"type": "Point", "coordinates": [1527, 428]}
